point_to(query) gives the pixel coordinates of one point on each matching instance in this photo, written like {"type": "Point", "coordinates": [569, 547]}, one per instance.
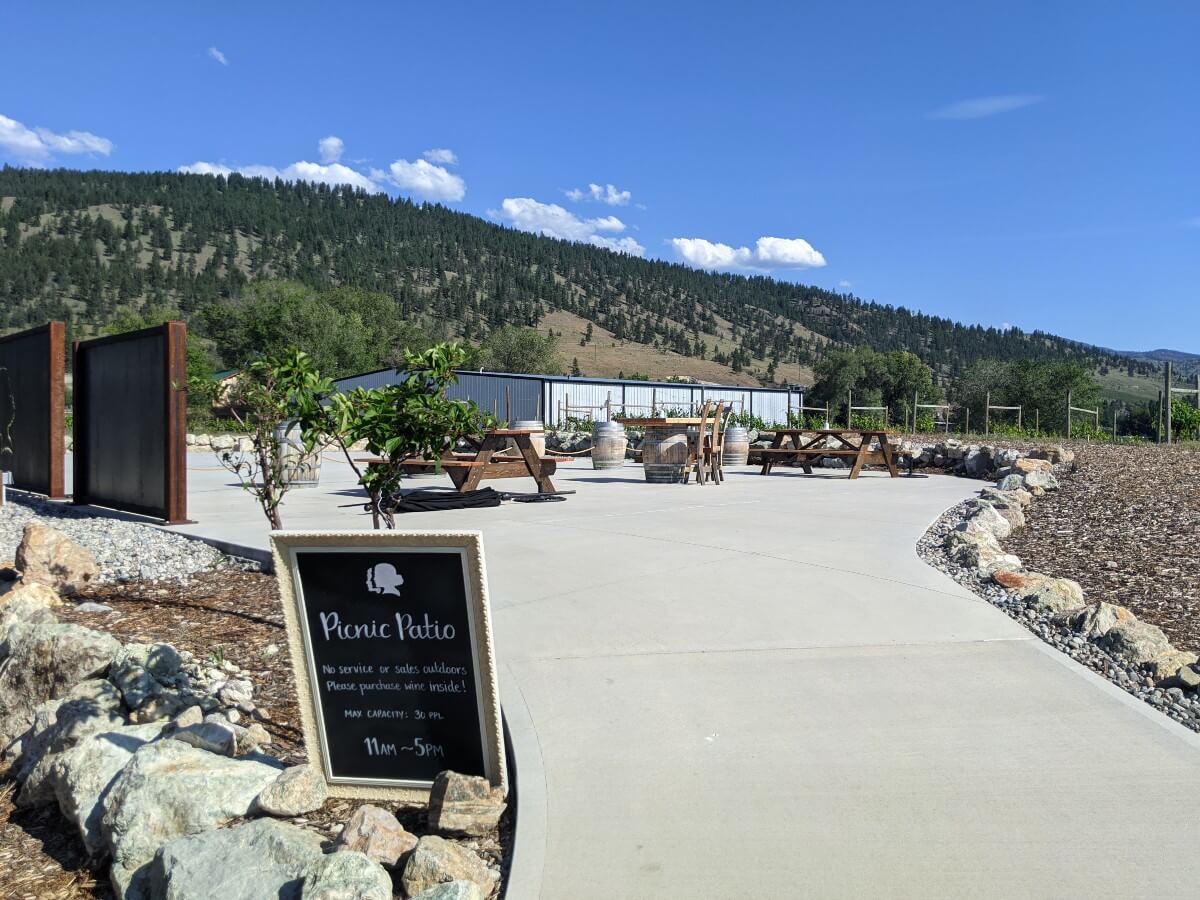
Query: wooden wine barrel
{"type": "Point", "coordinates": [664, 454]}
{"type": "Point", "coordinates": [608, 445]}
{"type": "Point", "coordinates": [737, 446]}
{"type": "Point", "coordinates": [300, 468]}
{"type": "Point", "coordinates": [538, 440]}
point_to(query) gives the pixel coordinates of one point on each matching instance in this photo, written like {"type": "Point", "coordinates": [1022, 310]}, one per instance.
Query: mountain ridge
{"type": "Point", "coordinates": [81, 244]}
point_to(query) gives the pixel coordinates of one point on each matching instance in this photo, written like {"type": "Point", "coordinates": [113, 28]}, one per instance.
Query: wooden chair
{"type": "Point", "coordinates": [714, 445]}
{"type": "Point", "coordinates": [696, 458]}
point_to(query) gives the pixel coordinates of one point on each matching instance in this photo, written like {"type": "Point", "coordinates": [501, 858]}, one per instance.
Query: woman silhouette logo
{"type": "Point", "coordinates": [383, 578]}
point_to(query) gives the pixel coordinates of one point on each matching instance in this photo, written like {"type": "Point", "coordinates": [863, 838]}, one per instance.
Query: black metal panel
{"type": "Point", "coordinates": [31, 408]}
{"type": "Point", "coordinates": [127, 449]}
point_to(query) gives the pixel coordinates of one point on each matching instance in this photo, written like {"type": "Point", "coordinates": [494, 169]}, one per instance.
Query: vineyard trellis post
{"type": "Point", "coordinates": [987, 413]}
{"type": "Point", "coordinates": [1087, 412]}
{"type": "Point", "coordinates": [1166, 398]}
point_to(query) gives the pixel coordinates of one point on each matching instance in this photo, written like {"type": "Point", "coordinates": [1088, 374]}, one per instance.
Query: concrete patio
{"type": "Point", "coordinates": [759, 690]}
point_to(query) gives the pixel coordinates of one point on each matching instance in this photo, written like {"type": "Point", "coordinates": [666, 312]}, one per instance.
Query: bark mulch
{"type": "Point", "coordinates": [1125, 525]}
{"type": "Point", "coordinates": [225, 614]}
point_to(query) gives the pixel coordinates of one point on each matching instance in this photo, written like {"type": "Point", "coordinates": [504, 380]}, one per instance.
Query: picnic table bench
{"type": "Point", "coordinates": [467, 470]}
{"type": "Point", "coordinates": [804, 449]}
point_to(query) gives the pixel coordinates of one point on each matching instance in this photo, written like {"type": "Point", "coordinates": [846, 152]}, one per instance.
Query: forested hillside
{"type": "Point", "coordinates": [83, 246]}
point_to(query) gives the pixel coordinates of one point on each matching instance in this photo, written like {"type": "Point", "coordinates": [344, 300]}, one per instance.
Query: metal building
{"type": "Point", "coordinates": [552, 398]}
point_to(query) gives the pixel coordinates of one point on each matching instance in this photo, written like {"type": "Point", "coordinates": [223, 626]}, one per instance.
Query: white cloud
{"type": "Point", "coordinates": [335, 174]}
{"type": "Point", "coordinates": [426, 180]}
{"type": "Point", "coordinates": [330, 149]}
{"type": "Point", "coordinates": [845, 285]}
{"type": "Point", "coordinates": [597, 194]}
{"type": "Point", "coordinates": [205, 168]}
{"type": "Point", "coordinates": [789, 253]}
{"type": "Point", "coordinates": [709, 255]}
{"type": "Point", "coordinates": [37, 145]}
{"type": "Point", "coordinates": [552, 220]}
{"type": "Point", "coordinates": [982, 107]}
{"type": "Point", "coordinates": [441, 156]}
{"type": "Point", "coordinates": [216, 54]}
{"type": "Point", "coordinates": [768, 253]}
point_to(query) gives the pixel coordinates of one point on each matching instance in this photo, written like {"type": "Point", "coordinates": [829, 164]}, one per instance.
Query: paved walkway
{"type": "Point", "coordinates": [759, 690]}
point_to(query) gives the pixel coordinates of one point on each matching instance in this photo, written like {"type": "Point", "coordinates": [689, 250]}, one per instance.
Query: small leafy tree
{"type": "Point", "coordinates": [397, 422]}
{"type": "Point", "coordinates": [266, 398]}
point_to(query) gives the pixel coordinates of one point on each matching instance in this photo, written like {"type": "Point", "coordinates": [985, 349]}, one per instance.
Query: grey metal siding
{"type": "Point", "coordinates": [545, 397]}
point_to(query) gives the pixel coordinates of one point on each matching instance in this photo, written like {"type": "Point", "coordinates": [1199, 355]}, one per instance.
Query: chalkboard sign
{"type": "Point", "coordinates": [392, 649]}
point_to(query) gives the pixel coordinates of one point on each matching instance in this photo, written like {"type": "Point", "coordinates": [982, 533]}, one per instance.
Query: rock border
{"type": "Point", "coordinates": [159, 760]}
{"type": "Point", "coordinates": [965, 544]}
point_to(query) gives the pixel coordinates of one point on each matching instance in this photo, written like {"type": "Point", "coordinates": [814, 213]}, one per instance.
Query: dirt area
{"type": "Point", "coordinates": [1126, 526]}
{"type": "Point", "coordinates": [606, 357]}
{"type": "Point", "coordinates": [230, 614]}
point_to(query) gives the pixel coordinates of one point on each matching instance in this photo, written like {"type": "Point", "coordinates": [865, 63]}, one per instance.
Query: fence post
{"type": "Point", "coordinates": [608, 407]}
{"type": "Point", "coordinates": [987, 412]}
{"type": "Point", "coordinates": [1167, 397]}
{"type": "Point", "coordinates": [1037, 420]}
{"type": "Point", "coordinates": [967, 427]}
{"type": "Point", "coordinates": [849, 408]}
{"type": "Point", "coordinates": [1068, 415]}
{"type": "Point", "coordinates": [1158, 425]}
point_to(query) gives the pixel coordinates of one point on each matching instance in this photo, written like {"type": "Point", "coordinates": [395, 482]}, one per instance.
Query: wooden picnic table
{"type": "Point", "coordinates": [665, 446]}
{"type": "Point", "coordinates": [804, 449]}
{"type": "Point", "coordinates": [467, 470]}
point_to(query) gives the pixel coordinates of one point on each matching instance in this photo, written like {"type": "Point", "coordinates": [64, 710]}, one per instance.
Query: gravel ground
{"type": "Point", "coordinates": [1180, 705]}
{"type": "Point", "coordinates": [124, 550]}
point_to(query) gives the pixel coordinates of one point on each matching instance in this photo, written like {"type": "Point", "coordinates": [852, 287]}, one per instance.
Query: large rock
{"type": "Point", "coordinates": [1171, 665]}
{"type": "Point", "coordinates": [1018, 497]}
{"type": "Point", "coordinates": [43, 662]}
{"type": "Point", "coordinates": [82, 776]}
{"type": "Point", "coordinates": [465, 804]}
{"type": "Point", "coordinates": [49, 557]}
{"type": "Point", "coordinates": [144, 671]}
{"type": "Point", "coordinates": [437, 861]}
{"type": "Point", "coordinates": [987, 518]}
{"type": "Point", "coordinates": [1026, 465]}
{"type": "Point", "coordinates": [1055, 454]}
{"type": "Point", "coordinates": [1011, 483]}
{"type": "Point", "coordinates": [346, 876]}
{"type": "Point", "coordinates": [1095, 619]}
{"type": "Point", "coordinates": [298, 790]}
{"type": "Point", "coordinates": [1041, 481]}
{"type": "Point", "coordinates": [169, 790]}
{"type": "Point", "coordinates": [377, 834]}
{"type": "Point", "coordinates": [258, 860]}
{"type": "Point", "coordinates": [1137, 641]}
{"type": "Point", "coordinates": [1047, 594]}
{"type": "Point", "coordinates": [58, 725]}
{"type": "Point", "coordinates": [215, 737]}
{"type": "Point", "coordinates": [451, 890]}
{"type": "Point", "coordinates": [979, 550]}
{"type": "Point", "coordinates": [31, 603]}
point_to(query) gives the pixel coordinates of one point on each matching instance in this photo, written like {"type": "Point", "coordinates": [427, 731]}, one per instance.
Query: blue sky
{"type": "Point", "coordinates": [1036, 164]}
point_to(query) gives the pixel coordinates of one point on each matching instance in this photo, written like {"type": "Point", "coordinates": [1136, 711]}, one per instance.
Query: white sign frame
{"type": "Point", "coordinates": [286, 547]}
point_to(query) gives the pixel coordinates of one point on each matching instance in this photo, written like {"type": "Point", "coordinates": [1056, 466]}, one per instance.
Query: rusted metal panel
{"type": "Point", "coordinates": [130, 419]}
{"type": "Point", "coordinates": [31, 408]}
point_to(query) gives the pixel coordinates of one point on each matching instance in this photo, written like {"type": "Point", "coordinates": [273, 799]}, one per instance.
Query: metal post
{"type": "Point", "coordinates": [1158, 429]}
{"type": "Point", "coordinates": [1037, 421]}
{"type": "Point", "coordinates": [849, 408]}
{"type": "Point", "coordinates": [608, 407]}
{"type": "Point", "coordinates": [987, 413]}
{"type": "Point", "coordinates": [1068, 415]}
{"type": "Point", "coordinates": [967, 427]}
